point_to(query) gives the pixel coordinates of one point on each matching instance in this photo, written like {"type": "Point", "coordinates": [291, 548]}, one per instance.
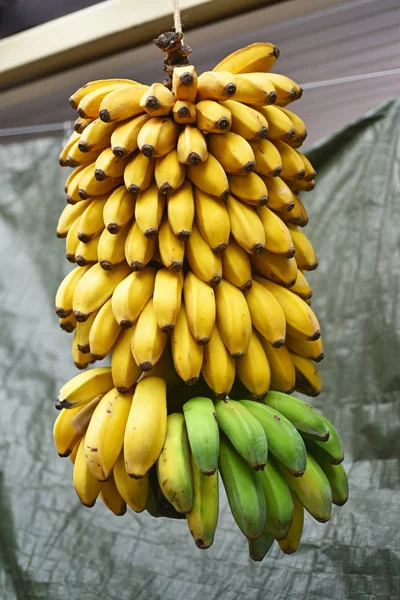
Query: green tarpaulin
{"type": "Point", "coordinates": [53, 548]}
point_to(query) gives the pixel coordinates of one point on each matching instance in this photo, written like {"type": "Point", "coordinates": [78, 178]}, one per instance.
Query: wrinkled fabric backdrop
{"type": "Point", "coordinates": [53, 548]}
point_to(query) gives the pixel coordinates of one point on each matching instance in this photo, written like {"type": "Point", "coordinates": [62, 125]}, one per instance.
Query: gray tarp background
{"type": "Point", "coordinates": [52, 548]}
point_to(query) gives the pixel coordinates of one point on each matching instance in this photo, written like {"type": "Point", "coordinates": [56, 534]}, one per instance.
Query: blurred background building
{"type": "Point", "coordinates": [344, 53]}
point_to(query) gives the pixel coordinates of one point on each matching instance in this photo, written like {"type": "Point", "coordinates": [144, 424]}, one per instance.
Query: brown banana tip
{"type": "Point", "coordinates": [186, 78]}
{"type": "Point", "coordinates": [62, 312]}
{"type": "Point", "coordinates": [192, 380]}
{"type": "Point", "coordinates": [63, 162]}
{"type": "Point", "coordinates": [72, 103]}
{"type": "Point", "coordinates": [272, 96]}
{"type": "Point", "coordinates": [152, 103]}
{"type": "Point", "coordinates": [176, 266]}
{"type": "Point", "coordinates": [64, 454]}
{"type": "Point", "coordinates": [299, 93]}
{"type": "Point", "coordinates": [58, 405]}
{"type": "Point", "coordinates": [105, 116]}
{"type": "Point", "coordinates": [289, 284]}
{"type": "Point", "coordinates": [82, 194]}
{"type": "Point", "coordinates": [223, 123]}
{"type": "Point", "coordinates": [61, 234]}
{"type": "Point", "coordinates": [84, 349]}
{"type": "Point", "coordinates": [134, 189]}
{"type": "Point", "coordinates": [202, 341]}
{"type": "Point", "coordinates": [121, 512]}
{"type": "Point", "coordinates": [220, 248]}
{"type": "Point", "coordinates": [278, 344]}
{"type": "Point", "coordinates": [312, 267]}
{"type": "Point", "coordinates": [237, 354]}
{"type": "Point", "coordinates": [215, 280]}
{"type": "Point", "coordinates": [275, 52]}
{"type": "Point", "coordinates": [276, 172]}
{"type": "Point", "coordinates": [71, 162]}
{"type": "Point", "coordinates": [259, 467]}
{"type": "Point", "coordinates": [84, 146]}
{"type": "Point", "coordinates": [200, 544]}
{"type": "Point", "coordinates": [150, 233]}
{"type": "Point", "coordinates": [194, 159]}
{"type": "Point", "coordinates": [310, 177]}
{"type": "Point", "coordinates": [106, 265]}
{"type": "Point", "coordinates": [183, 111]}
{"type": "Point", "coordinates": [68, 327]}
{"type": "Point", "coordinates": [81, 366]}
{"type": "Point", "coordinates": [82, 113]}
{"type": "Point", "coordinates": [290, 253]}
{"type": "Point", "coordinates": [119, 151]}
{"type": "Point", "coordinates": [99, 175]}
{"type": "Point", "coordinates": [263, 133]}
{"type": "Point", "coordinates": [134, 476]}
{"type": "Point", "coordinates": [71, 258]}
{"type": "Point", "coordinates": [323, 519]}
{"type": "Point", "coordinates": [84, 237]}
{"type": "Point", "coordinates": [146, 366]}
{"type": "Point", "coordinates": [80, 317]}
{"type": "Point", "coordinates": [123, 390]}
{"type": "Point", "coordinates": [315, 336]}
{"type": "Point", "coordinates": [184, 234]}
{"type": "Point", "coordinates": [113, 228]}
{"type": "Point", "coordinates": [257, 248]}
{"type": "Point", "coordinates": [126, 323]}
{"type": "Point", "coordinates": [89, 505]}
{"type": "Point", "coordinates": [98, 357]}
{"type": "Point", "coordinates": [293, 94]}
{"type": "Point", "coordinates": [221, 395]}
{"type": "Point", "coordinates": [301, 174]}
{"type": "Point", "coordinates": [166, 188]}
{"type": "Point", "coordinates": [224, 196]}
{"type": "Point", "coordinates": [148, 150]}
{"type": "Point", "coordinates": [70, 201]}
{"type": "Point", "coordinates": [230, 89]}
{"type": "Point", "coordinates": [263, 201]}
{"type": "Point", "coordinates": [81, 261]}
{"type": "Point", "coordinates": [249, 166]}
{"type": "Point", "coordinates": [136, 265]}
{"type": "Point", "coordinates": [320, 357]}
{"type": "Point", "coordinates": [289, 207]}
{"type": "Point", "coordinates": [310, 187]}
{"type": "Point", "coordinates": [168, 328]}
{"type": "Point", "coordinates": [247, 285]}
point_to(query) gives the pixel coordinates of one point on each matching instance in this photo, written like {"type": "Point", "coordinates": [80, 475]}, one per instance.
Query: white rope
{"type": "Point", "coordinates": [349, 79]}
{"type": "Point", "coordinates": [177, 16]}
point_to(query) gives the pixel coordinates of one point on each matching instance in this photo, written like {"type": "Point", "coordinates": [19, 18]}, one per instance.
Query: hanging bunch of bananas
{"type": "Point", "coordinates": [184, 219]}
{"type": "Point", "coordinates": [276, 458]}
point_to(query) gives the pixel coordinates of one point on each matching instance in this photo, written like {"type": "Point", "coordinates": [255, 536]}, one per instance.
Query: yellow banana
{"type": "Point", "coordinates": [111, 497]}
{"type": "Point", "coordinates": [313, 350]}
{"type": "Point", "coordinates": [72, 242]}
{"type": "Point", "coordinates": [81, 124]}
{"type": "Point", "coordinates": [180, 208]}
{"type": "Point", "coordinates": [249, 188]}
{"type": "Point", "coordinates": [253, 368]}
{"type": "Point", "coordinates": [255, 88]}
{"type": "Point", "coordinates": [300, 185]}
{"type": "Point", "coordinates": [218, 367]}
{"type": "Point", "coordinates": [91, 222]}
{"type": "Point", "coordinates": [212, 219]}
{"type": "Point", "coordinates": [255, 58]}
{"type": "Point", "coordinates": [308, 379]}
{"type": "Point", "coordinates": [246, 121]}
{"type": "Point", "coordinates": [80, 360]}
{"type": "Point", "coordinates": [124, 137]}
{"type": "Point", "coordinates": [122, 103]}
{"type": "Point", "coordinates": [203, 516]}
{"type": "Point", "coordinates": [286, 89]}
{"type": "Point", "coordinates": [232, 151]}
{"type": "Point", "coordinates": [167, 298]}
{"type": "Point", "coordinates": [118, 210]}
{"type": "Point", "coordinates": [277, 236]}
{"type": "Point", "coordinates": [292, 541]}
{"type": "Point", "coordinates": [96, 136]}
{"type": "Point", "coordinates": [82, 334]}
{"type": "Point", "coordinates": [310, 171]}
{"type": "Point", "coordinates": [277, 268]}
{"type": "Point", "coordinates": [174, 471]}
{"type": "Point", "coordinates": [184, 83]}
{"type": "Point", "coordinates": [103, 332]}
{"type": "Point", "coordinates": [138, 248]}
{"type": "Point", "coordinates": [157, 100]}
{"type": "Point", "coordinates": [215, 86]}
{"type": "Point", "coordinates": [233, 318]}
{"type": "Point", "coordinates": [266, 313]}
{"type": "Point", "coordinates": [213, 117]}
{"type": "Point", "coordinates": [86, 485]}
{"type": "Point", "coordinates": [292, 216]}
{"type": "Point", "coordinates": [283, 376]}
{"type": "Point", "coordinates": [92, 86]}
{"type": "Point", "coordinates": [108, 165]}
{"type": "Point", "coordinates": [76, 158]}
{"type": "Point", "coordinates": [70, 425]}
{"type": "Point", "coordinates": [186, 353]}
{"type": "Point", "coordinates": [267, 158]}
{"type": "Point", "coordinates": [299, 127]}
{"type": "Point", "coordinates": [184, 113]}
{"type": "Point", "coordinates": [71, 177]}
{"type": "Point", "coordinates": [90, 103]}
{"type": "Point", "coordinates": [192, 146]}
{"type": "Point", "coordinates": [200, 308]}
{"type": "Point", "coordinates": [236, 266]}
{"type": "Point", "coordinates": [68, 324]}
{"type": "Point", "coordinates": [133, 491]}
{"type": "Point", "coordinates": [210, 177]}
{"type": "Point", "coordinates": [148, 341]}
{"type": "Point", "coordinates": [280, 197]}
{"type": "Point", "coordinates": [66, 289]}
{"type": "Point", "coordinates": [302, 287]}
{"type": "Point", "coordinates": [125, 371]}
{"type": "Point", "coordinates": [204, 263]}
{"type": "Point", "coordinates": [246, 226]}
{"type": "Point", "coordinates": [146, 427]}
{"type": "Point", "coordinates": [82, 388]}
{"type": "Point", "coordinates": [72, 140]}
{"type": "Point", "coordinates": [87, 253]}
{"type": "Point", "coordinates": [89, 186]}
{"type": "Point", "coordinates": [169, 172]}
{"type": "Point", "coordinates": [305, 255]}
{"type": "Point", "coordinates": [292, 163]}
{"type": "Point", "coordinates": [298, 213]}
{"type": "Point", "coordinates": [149, 210]}
{"type": "Point", "coordinates": [94, 290]}
{"type": "Point", "coordinates": [301, 322]}
{"type": "Point", "coordinates": [138, 174]}
{"type": "Point", "coordinates": [131, 295]}
{"type": "Point", "coordinates": [280, 127]}
{"type": "Point", "coordinates": [172, 249]}
{"type": "Point", "coordinates": [158, 136]}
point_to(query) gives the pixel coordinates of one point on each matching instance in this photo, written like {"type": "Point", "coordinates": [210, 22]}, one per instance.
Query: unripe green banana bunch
{"type": "Point", "coordinates": [158, 451]}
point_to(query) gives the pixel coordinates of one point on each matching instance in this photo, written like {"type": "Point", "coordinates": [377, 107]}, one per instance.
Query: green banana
{"type": "Point", "coordinates": [259, 548]}
{"type": "Point", "coordinates": [284, 441]}
{"type": "Point", "coordinates": [330, 451]}
{"type": "Point", "coordinates": [244, 492]}
{"type": "Point", "coordinates": [302, 415]}
{"type": "Point", "coordinates": [203, 433]}
{"type": "Point", "coordinates": [312, 489]}
{"type": "Point", "coordinates": [292, 541]}
{"type": "Point", "coordinates": [338, 481]}
{"type": "Point", "coordinates": [244, 431]}
{"type": "Point", "coordinates": [278, 501]}
{"type": "Point", "coordinates": [203, 517]}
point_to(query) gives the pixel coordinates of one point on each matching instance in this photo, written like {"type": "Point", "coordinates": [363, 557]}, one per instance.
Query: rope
{"type": "Point", "coordinates": [177, 16]}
